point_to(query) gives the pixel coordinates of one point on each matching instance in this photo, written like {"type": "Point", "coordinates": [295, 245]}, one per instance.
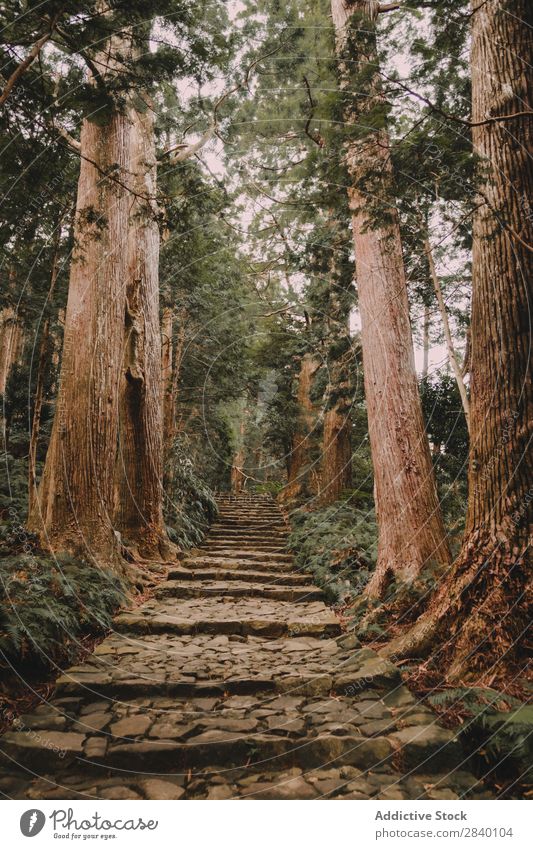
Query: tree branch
{"type": "Point", "coordinates": [315, 137]}
{"type": "Point", "coordinates": [30, 58]}
{"type": "Point", "coordinates": [186, 151]}
{"type": "Point", "coordinates": [493, 119]}
{"type": "Point", "coordinates": [99, 80]}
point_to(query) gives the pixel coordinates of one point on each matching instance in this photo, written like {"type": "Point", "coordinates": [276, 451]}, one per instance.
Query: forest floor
{"type": "Point", "coordinates": [234, 680]}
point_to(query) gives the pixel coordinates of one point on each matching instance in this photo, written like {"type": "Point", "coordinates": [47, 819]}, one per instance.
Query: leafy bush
{"type": "Point", "coordinates": [190, 505]}
{"type": "Point", "coordinates": [48, 603]}
{"type": "Point", "coordinates": [337, 546]}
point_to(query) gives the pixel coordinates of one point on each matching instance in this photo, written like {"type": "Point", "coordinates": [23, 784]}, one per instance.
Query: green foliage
{"type": "Point", "coordinates": [497, 734]}
{"type": "Point", "coordinates": [48, 604]}
{"type": "Point", "coordinates": [189, 504]}
{"type": "Point", "coordinates": [337, 546]}
{"type": "Point", "coordinates": [502, 744]}
{"type": "Point", "coordinates": [13, 490]}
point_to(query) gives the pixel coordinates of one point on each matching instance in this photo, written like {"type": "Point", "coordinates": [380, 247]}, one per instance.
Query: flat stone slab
{"type": "Point", "coordinates": [266, 563]}
{"type": "Point", "coordinates": [263, 617]}
{"type": "Point", "coordinates": [234, 589]}
{"type": "Point", "coordinates": [273, 579]}
{"type": "Point", "coordinates": [164, 664]}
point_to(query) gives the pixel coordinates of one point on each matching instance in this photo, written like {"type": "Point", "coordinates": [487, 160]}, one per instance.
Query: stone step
{"type": "Point", "coordinates": [328, 782]}
{"type": "Point", "coordinates": [243, 554]}
{"type": "Point", "coordinates": [246, 533]}
{"type": "Point", "coordinates": [203, 665]}
{"type": "Point", "coordinates": [264, 733]}
{"type": "Point", "coordinates": [288, 579]}
{"type": "Point", "coordinates": [252, 515]}
{"type": "Point", "coordinates": [247, 544]}
{"type": "Point", "coordinates": [217, 545]}
{"type": "Point", "coordinates": [218, 615]}
{"type": "Point", "coordinates": [203, 561]}
{"type": "Point", "coordinates": [232, 589]}
{"type": "Point", "coordinates": [256, 542]}
{"type": "Point", "coordinates": [275, 517]}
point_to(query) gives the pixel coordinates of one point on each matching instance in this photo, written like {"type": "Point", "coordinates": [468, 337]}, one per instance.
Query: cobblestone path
{"type": "Point", "coordinates": [233, 681]}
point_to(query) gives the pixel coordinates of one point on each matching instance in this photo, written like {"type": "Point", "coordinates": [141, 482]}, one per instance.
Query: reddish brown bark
{"type": "Point", "coordinates": [479, 613]}
{"type": "Point", "coordinates": [139, 471]}
{"type": "Point", "coordinates": [303, 479]}
{"type": "Point", "coordinates": [39, 385]}
{"type": "Point", "coordinates": [411, 532]}
{"type": "Point", "coordinates": [75, 503]}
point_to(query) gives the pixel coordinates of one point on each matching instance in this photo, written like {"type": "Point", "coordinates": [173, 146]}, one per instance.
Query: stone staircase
{"type": "Point", "coordinates": [234, 680]}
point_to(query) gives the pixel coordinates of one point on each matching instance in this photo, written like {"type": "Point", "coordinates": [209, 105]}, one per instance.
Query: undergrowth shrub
{"type": "Point", "coordinates": [48, 603]}
{"type": "Point", "coordinates": [14, 487]}
{"type": "Point", "coordinates": [190, 505]}
{"type": "Point", "coordinates": [337, 546]}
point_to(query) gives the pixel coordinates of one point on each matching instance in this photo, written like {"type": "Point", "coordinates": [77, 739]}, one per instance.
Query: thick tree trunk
{"type": "Point", "coordinates": [336, 472]}
{"type": "Point", "coordinates": [336, 461]}
{"type": "Point", "coordinates": [43, 360]}
{"type": "Point", "coordinates": [139, 470]}
{"type": "Point", "coordinates": [411, 532]}
{"type": "Point", "coordinates": [302, 479]}
{"type": "Point", "coordinates": [450, 347]}
{"type": "Point", "coordinates": [478, 614]}
{"type": "Point", "coordinates": [74, 508]}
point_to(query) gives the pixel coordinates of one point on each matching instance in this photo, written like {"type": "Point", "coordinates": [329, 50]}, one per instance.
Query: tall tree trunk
{"type": "Point", "coordinates": [167, 368]}
{"type": "Point", "coordinates": [302, 479]}
{"type": "Point", "coordinates": [237, 476]}
{"type": "Point", "coordinates": [336, 471]}
{"type": "Point", "coordinates": [336, 461]}
{"type": "Point", "coordinates": [43, 359]}
{"type": "Point", "coordinates": [75, 503]}
{"type": "Point", "coordinates": [139, 470]}
{"type": "Point", "coordinates": [450, 347]}
{"type": "Point", "coordinates": [172, 356]}
{"type": "Point", "coordinates": [11, 336]}
{"type": "Point", "coordinates": [411, 532]}
{"type": "Point", "coordinates": [9, 345]}
{"type": "Point", "coordinates": [478, 614]}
